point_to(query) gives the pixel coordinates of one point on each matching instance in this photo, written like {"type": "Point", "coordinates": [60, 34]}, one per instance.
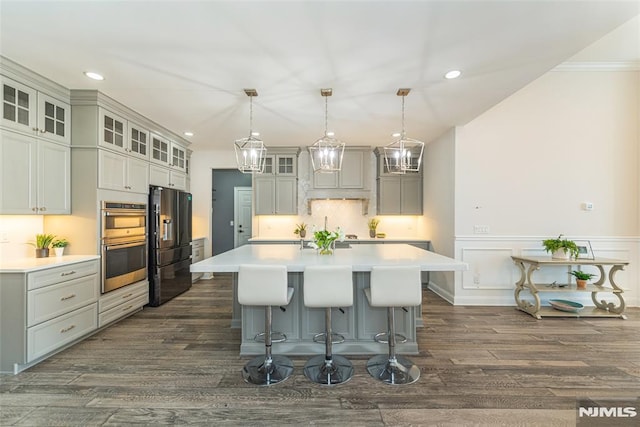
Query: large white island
{"type": "Point", "coordinates": [358, 324]}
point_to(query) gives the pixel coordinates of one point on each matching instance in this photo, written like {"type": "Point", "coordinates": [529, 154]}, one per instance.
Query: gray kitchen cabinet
{"type": "Point", "coordinates": [124, 173]}
{"type": "Point", "coordinates": [166, 177]}
{"type": "Point", "coordinates": [397, 194]}
{"type": "Point", "coordinates": [36, 175]}
{"type": "Point", "coordinates": [352, 174]}
{"type": "Point", "coordinates": [122, 302]}
{"type": "Point", "coordinates": [276, 190]}
{"type": "Point", "coordinates": [34, 112]}
{"type": "Point", "coordinates": [43, 311]}
{"type": "Point", "coordinates": [197, 255]}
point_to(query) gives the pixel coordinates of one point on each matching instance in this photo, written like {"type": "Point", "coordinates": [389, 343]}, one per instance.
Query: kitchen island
{"type": "Point", "coordinates": [358, 324]}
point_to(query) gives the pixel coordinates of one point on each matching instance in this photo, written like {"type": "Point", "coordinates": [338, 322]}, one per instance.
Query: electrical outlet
{"type": "Point", "coordinates": [476, 279]}
{"type": "Point", "coordinates": [481, 229]}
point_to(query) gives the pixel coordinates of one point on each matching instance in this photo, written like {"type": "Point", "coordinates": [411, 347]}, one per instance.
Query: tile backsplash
{"type": "Point", "coordinates": [346, 214]}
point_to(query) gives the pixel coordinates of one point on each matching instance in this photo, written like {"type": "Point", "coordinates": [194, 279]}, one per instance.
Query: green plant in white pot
{"type": "Point", "coordinates": [561, 248]}
{"type": "Point", "coordinates": [59, 245]}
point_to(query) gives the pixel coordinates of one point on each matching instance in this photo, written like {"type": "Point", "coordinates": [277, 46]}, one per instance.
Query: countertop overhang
{"type": "Point", "coordinates": [360, 257]}
{"type": "Point", "coordinates": [27, 265]}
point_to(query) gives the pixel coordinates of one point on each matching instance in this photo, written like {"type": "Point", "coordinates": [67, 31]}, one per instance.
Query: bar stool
{"type": "Point", "coordinates": [326, 287]}
{"type": "Point", "coordinates": [265, 285]}
{"type": "Point", "coordinates": [394, 286]}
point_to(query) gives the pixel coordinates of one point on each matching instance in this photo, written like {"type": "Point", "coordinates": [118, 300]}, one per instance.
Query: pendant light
{"type": "Point", "coordinates": [250, 152]}
{"type": "Point", "coordinates": [326, 152]}
{"type": "Point", "coordinates": [405, 154]}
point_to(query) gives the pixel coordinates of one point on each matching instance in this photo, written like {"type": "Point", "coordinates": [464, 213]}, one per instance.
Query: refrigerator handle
{"type": "Point", "coordinates": [167, 229]}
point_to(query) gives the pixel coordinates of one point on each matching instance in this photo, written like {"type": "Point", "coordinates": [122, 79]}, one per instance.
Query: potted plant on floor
{"type": "Point", "coordinates": [581, 278]}
{"type": "Point", "coordinates": [42, 243]}
{"type": "Point", "coordinates": [561, 248]}
{"type": "Point", "coordinates": [59, 245]}
{"type": "Point", "coordinates": [373, 225]}
{"type": "Point", "coordinates": [301, 230]}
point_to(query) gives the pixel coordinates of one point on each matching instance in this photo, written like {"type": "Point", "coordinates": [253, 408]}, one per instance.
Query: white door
{"type": "Point", "coordinates": [242, 215]}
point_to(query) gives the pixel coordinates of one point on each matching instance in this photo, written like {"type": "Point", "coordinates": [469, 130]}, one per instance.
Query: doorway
{"type": "Point", "coordinates": [224, 181]}
{"type": "Point", "coordinates": [242, 197]}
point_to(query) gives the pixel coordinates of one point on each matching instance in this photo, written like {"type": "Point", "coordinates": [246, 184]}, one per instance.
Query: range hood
{"type": "Point", "coordinates": [364, 201]}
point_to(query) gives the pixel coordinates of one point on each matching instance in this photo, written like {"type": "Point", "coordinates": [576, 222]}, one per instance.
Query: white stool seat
{"type": "Point", "coordinates": [394, 286]}
{"type": "Point", "coordinates": [265, 285]}
{"type": "Point", "coordinates": [326, 287]}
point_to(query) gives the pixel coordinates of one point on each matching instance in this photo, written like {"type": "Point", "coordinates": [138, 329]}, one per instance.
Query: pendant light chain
{"type": "Point", "coordinates": [326, 115]}
{"type": "Point", "coordinates": [403, 116]}
{"type": "Point", "coordinates": [250, 116]}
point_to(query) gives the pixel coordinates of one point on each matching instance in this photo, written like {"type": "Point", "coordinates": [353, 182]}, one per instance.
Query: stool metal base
{"type": "Point", "coordinates": [338, 370]}
{"type": "Point", "coordinates": [275, 337]}
{"type": "Point", "coordinates": [258, 371]}
{"type": "Point", "coordinates": [398, 370]}
{"type": "Point", "coordinates": [335, 338]}
{"type": "Point", "coordinates": [383, 337]}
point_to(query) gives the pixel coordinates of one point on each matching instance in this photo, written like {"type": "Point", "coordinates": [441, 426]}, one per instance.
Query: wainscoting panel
{"type": "Point", "coordinates": [489, 268]}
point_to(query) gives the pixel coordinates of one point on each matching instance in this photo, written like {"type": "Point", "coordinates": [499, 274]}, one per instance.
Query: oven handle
{"type": "Point", "coordinates": [125, 245]}
{"type": "Point", "coordinates": [124, 213]}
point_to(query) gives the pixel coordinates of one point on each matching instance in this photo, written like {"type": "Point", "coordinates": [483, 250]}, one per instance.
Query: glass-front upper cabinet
{"type": "Point", "coordinates": [178, 157]}
{"type": "Point", "coordinates": [112, 131]}
{"type": "Point", "coordinates": [26, 110]}
{"type": "Point", "coordinates": [286, 165]}
{"type": "Point", "coordinates": [138, 141]}
{"type": "Point", "coordinates": [159, 150]}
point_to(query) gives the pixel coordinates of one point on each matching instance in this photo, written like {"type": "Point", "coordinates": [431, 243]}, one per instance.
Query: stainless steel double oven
{"type": "Point", "coordinates": [124, 244]}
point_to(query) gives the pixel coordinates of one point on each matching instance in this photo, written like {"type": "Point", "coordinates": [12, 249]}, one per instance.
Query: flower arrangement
{"type": "Point", "coordinates": [568, 247]}
{"type": "Point", "coordinates": [301, 230]}
{"type": "Point", "coordinates": [323, 240]}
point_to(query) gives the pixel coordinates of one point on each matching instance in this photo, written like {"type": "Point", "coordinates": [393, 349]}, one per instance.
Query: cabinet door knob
{"type": "Point", "coordinates": [43, 131]}
{"type": "Point", "coordinates": [34, 209]}
{"type": "Point", "coordinates": [34, 129]}
{"type": "Point", "coordinates": [43, 209]}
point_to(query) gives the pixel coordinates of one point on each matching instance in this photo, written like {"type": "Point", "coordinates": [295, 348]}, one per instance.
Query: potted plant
{"type": "Point", "coordinates": [59, 245]}
{"type": "Point", "coordinates": [42, 243]}
{"type": "Point", "coordinates": [373, 225]}
{"type": "Point", "coordinates": [581, 278]}
{"type": "Point", "coordinates": [561, 248]}
{"type": "Point", "coordinates": [301, 230]}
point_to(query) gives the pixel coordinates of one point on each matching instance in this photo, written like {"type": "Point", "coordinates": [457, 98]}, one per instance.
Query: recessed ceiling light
{"type": "Point", "coordinates": [395, 134]}
{"type": "Point", "coordinates": [188, 134]}
{"type": "Point", "coordinates": [453, 74]}
{"type": "Point", "coordinates": [93, 75]}
{"type": "Point", "coordinates": [255, 133]}
{"type": "Point", "coordinates": [330, 133]}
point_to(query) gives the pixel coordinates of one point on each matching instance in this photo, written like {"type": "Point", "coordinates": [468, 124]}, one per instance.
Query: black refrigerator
{"type": "Point", "coordinates": [169, 244]}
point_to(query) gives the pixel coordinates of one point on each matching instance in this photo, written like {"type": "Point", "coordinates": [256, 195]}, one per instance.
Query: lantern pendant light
{"type": "Point", "coordinates": [250, 151]}
{"type": "Point", "coordinates": [326, 152]}
{"type": "Point", "coordinates": [405, 154]}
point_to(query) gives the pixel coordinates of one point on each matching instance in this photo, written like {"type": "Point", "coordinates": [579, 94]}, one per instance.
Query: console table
{"type": "Point", "coordinates": [606, 283]}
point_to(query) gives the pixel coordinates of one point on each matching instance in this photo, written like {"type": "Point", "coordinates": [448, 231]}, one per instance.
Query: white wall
{"type": "Point", "coordinates": [439, 205]}
{"type": "Point", "coordinates": [19, 230]}
{"type": "Point", "coordinates": [525, 167]}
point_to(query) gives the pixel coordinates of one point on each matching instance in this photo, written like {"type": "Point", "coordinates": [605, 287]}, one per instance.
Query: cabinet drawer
{"type": "Point", "coordinates": [49, 336]}
{"type": "Point", "coordinates": [55, 300]}
{"type": "Point", "coordinates": [122, 310]}
{"type": "Point", "coordinates": [60, 274]}
{"type": "Point", "coordinates": [122, 295]}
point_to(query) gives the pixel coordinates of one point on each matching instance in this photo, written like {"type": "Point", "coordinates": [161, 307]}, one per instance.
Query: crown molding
{"type": "Point", "coordinates": [599, 66]}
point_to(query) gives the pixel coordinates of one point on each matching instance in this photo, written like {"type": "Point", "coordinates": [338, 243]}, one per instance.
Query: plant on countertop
{"type": "Point", "coordinates": [43, 241]}
{"type": "Point", "coordinates": [373, 225]}
{"type": "Point", "coordinates": [301, 230]}
{"type": "Point", "coordinates": [581, 275]}
{"type": "Point", "coordinates": [60, 243]}
{"type": "Point", "coordinates": [323, 240]}
{"type": "Point", "coordinates": [566, 245]}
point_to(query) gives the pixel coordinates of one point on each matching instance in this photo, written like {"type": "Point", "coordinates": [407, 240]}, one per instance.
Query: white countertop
{"type": "Point", "coordinates": [360, 257]}
{"type": "Point", "coordinates": [365, 240]}
{"type": "Point", "coordinates": [26, 265]}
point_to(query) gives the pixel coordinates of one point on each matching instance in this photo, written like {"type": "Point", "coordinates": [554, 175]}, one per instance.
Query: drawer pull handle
{"type": "Point", "coordinates": [68, 274]}
{"type": "Point", "coordinates": [126, 296]}
{"type": "Point", "coordinates": [62, 331]}
{"type": "Point", "coordinates": [127, 308]}
{"type": "Point", "coordinates": [68, 297]}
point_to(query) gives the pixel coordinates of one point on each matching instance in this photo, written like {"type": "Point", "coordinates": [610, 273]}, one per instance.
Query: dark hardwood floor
{"type": "Point", "coordinates": [179, 364]}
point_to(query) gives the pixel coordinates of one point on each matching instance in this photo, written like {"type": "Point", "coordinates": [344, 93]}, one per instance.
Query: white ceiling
{"type": "Point", "coordinates": [184, 64]}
